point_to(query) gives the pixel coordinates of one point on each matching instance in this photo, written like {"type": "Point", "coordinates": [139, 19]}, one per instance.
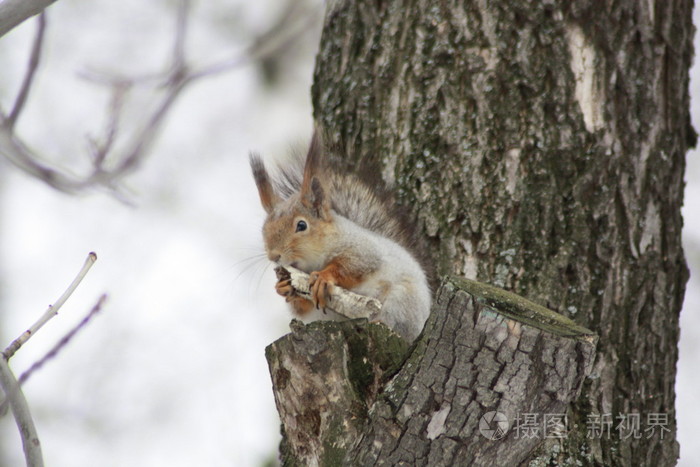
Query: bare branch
{"type": "Point", "coordinates": [146, 135]}
{"type": "Point", "coordinates": [289, 26]}
{"type": "Point", "coordinates": [179, 75]}
{"type": "Point", "coordinates": [23, 417]}
{"type": "Point", "coordinates": [63, 342]}
{"type": "Point", "coordinates": [14, 397]}
{"type": "Point", "coordinates": [14, 12]}
{"type": "Point", "coordinates": [31, 71]}
{"type": "Point", "coordinates": [52, 310]}
{"type": "Point", "coordinates": [56, 348]}
{"type": "Point", "coordinates": [100, 148]}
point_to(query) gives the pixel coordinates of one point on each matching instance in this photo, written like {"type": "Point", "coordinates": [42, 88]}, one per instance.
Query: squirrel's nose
{"type": "Point", "coordinates": [274, 257]}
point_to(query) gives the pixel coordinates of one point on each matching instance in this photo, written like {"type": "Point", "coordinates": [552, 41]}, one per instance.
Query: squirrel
{"type": "Point", "coordinates": [334, 227]}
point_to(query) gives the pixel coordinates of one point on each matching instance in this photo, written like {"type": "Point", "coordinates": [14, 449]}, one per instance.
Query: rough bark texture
{"type": "Point", "coordinates": [541, 146]}
{"type": "Point", "coordinates": [325, 376]}
{"type": "Point", "coordinates": [475, 356]}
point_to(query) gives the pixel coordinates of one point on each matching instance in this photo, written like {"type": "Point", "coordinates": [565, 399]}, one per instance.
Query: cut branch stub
{"type": "Point", "coordinates": [325, 376]}
{"type": "Point", "coordinates": [487, 363]}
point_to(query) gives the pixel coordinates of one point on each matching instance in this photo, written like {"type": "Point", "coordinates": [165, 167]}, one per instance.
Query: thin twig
{"type": "Point", "coordinates": [175, 83]}
{"type": "Point", "coordinates": [56, 348]}
{"type": "Point", "coordinates": [23, 417]}
{"type": "Point", "coordinates": [17, 153]}
{"type": "Point", "coordinates": [145, 136]}
{"type": "Point", "coordinates": [181, 27]}
{"type": "Point", "coordinates": [100, 148]}
{"type": "Point", "coordinates": [64, 341]}
{"type": "Point", "coordinates": [280, 35]}
{"type": "Point", "coordinates": [52, 310]}
{"type": "Point", "coordinates": [178, 76]}
{"type": "Point", "coordinates": [31, 71]}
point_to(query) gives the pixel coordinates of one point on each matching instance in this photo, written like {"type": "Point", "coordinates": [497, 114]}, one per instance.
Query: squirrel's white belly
{"type": "Point", "coordinates": [402, 288]}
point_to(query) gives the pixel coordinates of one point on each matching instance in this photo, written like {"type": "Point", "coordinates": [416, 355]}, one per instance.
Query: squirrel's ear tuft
{"type": "Point", "coordinates": [268, 198]}
{"type": "Point", "coordinates": [315, 199]}
{"type": "Point", "coordinates": [314, 160]}
{"type": "Point", "coordinates": [313, 196]}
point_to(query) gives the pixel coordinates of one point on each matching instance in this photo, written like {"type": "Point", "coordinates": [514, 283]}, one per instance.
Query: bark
{"type": "Point", "coordinates": [328, 380]}
{"type": "Point", "coordinates": [541, 147]}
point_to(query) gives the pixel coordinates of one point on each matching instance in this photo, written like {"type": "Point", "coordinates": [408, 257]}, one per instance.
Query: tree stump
{"type": "Point", "coordinates": [488, 382]}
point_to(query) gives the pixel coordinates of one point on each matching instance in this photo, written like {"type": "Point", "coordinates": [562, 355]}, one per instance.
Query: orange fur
{"type": "Point", "coordinates": [301, 306]}
{"type": "Point", "coordinates": [335, 273]}
{"type": "Point", "coordinates": [282, 241]}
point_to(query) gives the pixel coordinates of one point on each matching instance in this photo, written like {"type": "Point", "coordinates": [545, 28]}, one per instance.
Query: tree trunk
{"type": "Point", "coordinates": [541, 146]}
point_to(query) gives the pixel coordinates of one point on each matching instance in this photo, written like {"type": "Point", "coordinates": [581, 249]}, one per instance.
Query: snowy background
{"type": "Point", "coordinates": [172, 372]}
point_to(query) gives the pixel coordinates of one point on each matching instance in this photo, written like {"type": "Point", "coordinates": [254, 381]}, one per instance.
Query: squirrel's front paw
{"type": "Point", "coordinates": [321, 285]}
{"type": "Point", "coordinates": [284, 288]}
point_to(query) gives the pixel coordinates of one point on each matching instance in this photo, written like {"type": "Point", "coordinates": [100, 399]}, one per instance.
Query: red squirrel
{"type": "Point", "coordinates": [334, 227]}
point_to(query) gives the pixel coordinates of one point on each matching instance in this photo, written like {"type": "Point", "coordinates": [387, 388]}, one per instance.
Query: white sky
{"type": "Point", "coordinates": [172, 373]}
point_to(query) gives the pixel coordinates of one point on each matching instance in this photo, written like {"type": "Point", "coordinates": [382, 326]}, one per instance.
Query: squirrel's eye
{"type": "Point", "coordinates": [301, 226]}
